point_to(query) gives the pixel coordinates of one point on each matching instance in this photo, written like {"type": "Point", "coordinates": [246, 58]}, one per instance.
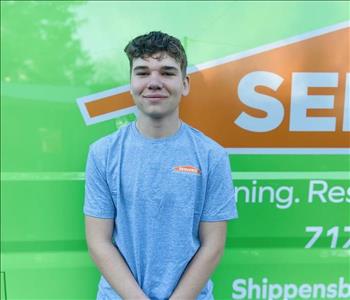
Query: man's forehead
{"type": "Point", "coordinates": [159, 59]}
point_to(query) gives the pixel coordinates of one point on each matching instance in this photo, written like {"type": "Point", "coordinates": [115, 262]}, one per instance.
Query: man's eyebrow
{"type": "Point", "coordinates": [140, 68]}
{"type": "Point", "coordinates": [169, 68]}
{"type": "Point", "coordinates": [165, 68]}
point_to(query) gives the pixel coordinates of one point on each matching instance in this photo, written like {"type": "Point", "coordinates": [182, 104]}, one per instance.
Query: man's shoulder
{"type": "Point", "coordinates": [102, 145]}
{"type": "Point", "coordinates": [206, 143]}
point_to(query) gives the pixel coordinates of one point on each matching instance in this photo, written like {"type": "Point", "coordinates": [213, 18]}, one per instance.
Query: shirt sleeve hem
{"type": "Point", "coordinates": [218, 218]}
{"type": "Point", "coordinates": [98, 215]}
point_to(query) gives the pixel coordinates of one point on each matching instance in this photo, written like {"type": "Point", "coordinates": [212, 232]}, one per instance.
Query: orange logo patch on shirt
{"type": "Point", "coordinates": [187, 169]}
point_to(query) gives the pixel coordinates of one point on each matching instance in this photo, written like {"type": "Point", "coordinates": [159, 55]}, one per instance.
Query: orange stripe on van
{"type": "Point", "coordinates": [108, 104]}
{"type": "Point", "coordinates": [214, 105]}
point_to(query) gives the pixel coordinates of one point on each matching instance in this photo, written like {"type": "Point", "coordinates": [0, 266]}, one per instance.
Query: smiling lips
{"type": "Point", "coordinates": [155, 97]}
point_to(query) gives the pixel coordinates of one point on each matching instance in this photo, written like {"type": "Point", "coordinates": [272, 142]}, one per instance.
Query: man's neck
{"type": "Point", "coordinates": [158, 128]}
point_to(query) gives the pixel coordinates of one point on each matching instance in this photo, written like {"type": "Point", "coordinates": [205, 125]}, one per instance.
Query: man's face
{"type": "Point", "coordinates": [157, 85]}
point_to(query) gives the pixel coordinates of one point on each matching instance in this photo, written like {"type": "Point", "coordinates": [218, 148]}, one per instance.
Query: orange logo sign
{"type": "Point", "coordinates": [187, 169]}
{"type": "Point", "coordinates": [292, 96]}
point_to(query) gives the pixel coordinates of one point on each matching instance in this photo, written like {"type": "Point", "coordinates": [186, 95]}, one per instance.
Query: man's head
{"type": "Point", "coordinates": [157, 74]}
{"type": "Point", "coordinates": [156, 42]}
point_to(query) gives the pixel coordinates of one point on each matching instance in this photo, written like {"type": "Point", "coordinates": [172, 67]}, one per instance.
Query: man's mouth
{"type": "Point", "coordinates": [155, 97]}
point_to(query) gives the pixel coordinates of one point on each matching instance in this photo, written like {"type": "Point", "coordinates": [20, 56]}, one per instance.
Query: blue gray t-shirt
{"type": "Point", "coordinates": [158, 191]}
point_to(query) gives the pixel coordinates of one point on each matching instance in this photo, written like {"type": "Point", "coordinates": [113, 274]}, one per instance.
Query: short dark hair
{"type": "Point", "coordinates": [156, 41]}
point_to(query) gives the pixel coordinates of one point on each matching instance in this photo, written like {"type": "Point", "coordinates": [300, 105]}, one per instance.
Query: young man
{"type": "Point", "coordinates": [158, 192]}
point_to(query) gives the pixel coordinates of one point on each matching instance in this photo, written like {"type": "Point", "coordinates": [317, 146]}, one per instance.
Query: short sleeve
{"type": "Point", "coordinates": [220, 204]}
{"type": "Point", "coordinates": [98, 200]}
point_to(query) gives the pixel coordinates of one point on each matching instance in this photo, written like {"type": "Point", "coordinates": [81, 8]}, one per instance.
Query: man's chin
{"type": "Point", "coordinates": [157, 115]}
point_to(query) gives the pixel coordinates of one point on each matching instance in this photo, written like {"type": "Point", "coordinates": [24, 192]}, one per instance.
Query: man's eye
{"type": "Point", "coordinates": [141, 73]}
{"type": "Point", "coordinates": [169, 74]}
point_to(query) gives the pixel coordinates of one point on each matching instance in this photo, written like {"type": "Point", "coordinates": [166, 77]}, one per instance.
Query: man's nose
{"type": "Point", "coordinates": [155, 82]}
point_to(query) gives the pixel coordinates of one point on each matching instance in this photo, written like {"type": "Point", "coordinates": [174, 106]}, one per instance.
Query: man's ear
{"type": "Point", "coordinates": [186, 83]}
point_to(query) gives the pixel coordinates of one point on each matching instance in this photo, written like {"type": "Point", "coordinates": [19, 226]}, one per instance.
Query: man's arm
{"type": "Point", "coordinates": [108, 258]}
{"type": "Point", "coordinates": [212, 236]}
